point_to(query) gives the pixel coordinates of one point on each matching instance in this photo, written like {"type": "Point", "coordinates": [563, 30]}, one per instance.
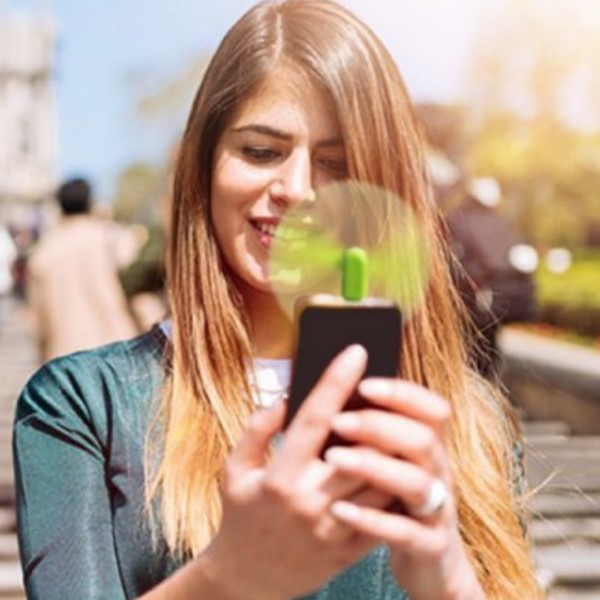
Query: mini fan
{"type": "Point", "coordinates": [319, 244]}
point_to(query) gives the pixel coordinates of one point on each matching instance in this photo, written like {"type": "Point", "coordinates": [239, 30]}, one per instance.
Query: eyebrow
{"type": "Point", "coordinates": [283, 135]}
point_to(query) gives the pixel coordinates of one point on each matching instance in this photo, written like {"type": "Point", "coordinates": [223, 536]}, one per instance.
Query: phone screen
{"type": "Point", "coordinates": [324, 331]}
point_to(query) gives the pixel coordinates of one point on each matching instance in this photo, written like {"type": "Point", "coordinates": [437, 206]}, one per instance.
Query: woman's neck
{"type": "Point", "coordinates": [272, 330]}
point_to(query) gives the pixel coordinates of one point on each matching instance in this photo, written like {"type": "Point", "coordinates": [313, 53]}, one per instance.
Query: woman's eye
{"type": "Point", "coordinates": [336, 166]}
{"type": "Point", "coordinates": [259, 154]}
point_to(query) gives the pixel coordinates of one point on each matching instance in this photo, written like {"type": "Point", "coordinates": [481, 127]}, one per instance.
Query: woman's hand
{"type": "Point", "coordinates": [401, 451]}
{"type": "Point", "coordinates": [278, 538]}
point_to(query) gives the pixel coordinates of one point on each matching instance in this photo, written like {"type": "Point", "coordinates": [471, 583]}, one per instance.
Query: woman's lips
{"type": "Point", "coordinates": [269, 229]}
{"type": "Point", "coordinates": [265, 230]}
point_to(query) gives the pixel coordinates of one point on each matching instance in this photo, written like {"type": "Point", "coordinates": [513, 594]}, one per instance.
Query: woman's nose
{"type": "Point", "coordinates": [293, 183]}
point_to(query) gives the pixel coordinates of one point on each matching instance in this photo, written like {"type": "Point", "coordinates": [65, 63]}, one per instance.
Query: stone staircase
{"type": "Point", "coordinates": [17, 363]}
{"type": "Point", "coordinates": [565, 472]}
{"type": "Point", "coordinates": [565, 467]}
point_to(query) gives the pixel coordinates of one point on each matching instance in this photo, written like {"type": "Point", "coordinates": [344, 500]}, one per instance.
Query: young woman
{"type": "Point", "coordinates": [146, 468]}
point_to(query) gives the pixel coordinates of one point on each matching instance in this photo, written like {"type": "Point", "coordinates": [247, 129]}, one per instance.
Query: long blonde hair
{"type": "Point", "coordinates": [207, 397]}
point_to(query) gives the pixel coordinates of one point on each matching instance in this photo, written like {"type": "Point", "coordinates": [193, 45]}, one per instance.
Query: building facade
{"type": "Point", "coordinates": [28, 114]}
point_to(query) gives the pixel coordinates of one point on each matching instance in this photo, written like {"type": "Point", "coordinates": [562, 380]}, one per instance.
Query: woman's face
{"type": "Point", "coordinates": [279, 146]}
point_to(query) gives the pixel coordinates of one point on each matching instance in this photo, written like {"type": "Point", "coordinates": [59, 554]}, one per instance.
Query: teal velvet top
{"type": "Point", "coordinates": [78, 450]}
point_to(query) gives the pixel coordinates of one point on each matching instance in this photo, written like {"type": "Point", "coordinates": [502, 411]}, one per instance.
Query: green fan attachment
{"type": "Point", "coordinates": [355, 274]}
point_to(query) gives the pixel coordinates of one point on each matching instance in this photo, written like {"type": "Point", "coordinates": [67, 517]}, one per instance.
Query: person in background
{"type": "Point", "coordinates": [495, 276]}
{"type": "Point", "coordinates": [24, 237]}
{"type": "Point", "coordinates": [492, 265]}
{"type": "Point", "coordinates": [74, 293]}
{"type": "Point", "coordinates": [8, 254]}
{"type": "Point", "coordinates": [157, 468]}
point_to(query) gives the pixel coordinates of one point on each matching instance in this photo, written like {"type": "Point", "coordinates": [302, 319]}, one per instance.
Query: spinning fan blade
{"type": "Point", "coordinates": [310, 241]}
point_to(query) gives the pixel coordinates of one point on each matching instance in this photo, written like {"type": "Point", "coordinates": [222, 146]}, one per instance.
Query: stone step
{"type": "Point", "coordinates": [543, 445]}
{"type": "Point", "coordinates": [9, 546]}
{"type": "Point", "coordinates": [19, 358]}
{"type": "Point", "coordinates": [16, 372]}
{"type": "Point", "coordinates": [8, 519]}
{"type": "Point", "coordinates": [585, 480]}
{"type": "Point", "coordinates": [574, 593]}
{"type": "Point", "coordinates": [6, 424]}
{"type": "Point", "coordinates": [572, 563]}
{"type": "Point", "coordinates": [13, 384]}
{"type": "Point", "coordinates": [547, 442]}
{"type": "Point", "coordinates": [11, 578]}
{"type": "Point", "coordinates": [565, 531]}
{"type": "Point", "coordinates": [6, 474]}
{"type": "Point", "coordinates": [565, 466]}
{"type": "Point", "coordinates": [8, 403]}
{"type": "Point", "coordinates": [572, 460]}
{"type": "Point", "coordinates": [545, 428]}
{"type": "Point", "coordinates": [15, 376]}
{"type": "Point", "coordinates": [567, 459]}
{"type": "Point", "coordinates": [561, 504]}
{"type": "Point", "coordinates": [7, 494]}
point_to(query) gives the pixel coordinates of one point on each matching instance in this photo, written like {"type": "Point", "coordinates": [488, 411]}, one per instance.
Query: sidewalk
{"type": "Point", "coordinates": [562, 356]}
{"type": "Point", "coordinates": [553, 380]}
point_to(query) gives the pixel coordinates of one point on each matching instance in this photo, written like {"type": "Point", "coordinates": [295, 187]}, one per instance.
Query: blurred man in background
{"type": "Point", "coordinates": [74, 292]}
{"type": "Point", "coordinates": [494, 266]}
{"type": "Point", "coordinates": [495, 279]}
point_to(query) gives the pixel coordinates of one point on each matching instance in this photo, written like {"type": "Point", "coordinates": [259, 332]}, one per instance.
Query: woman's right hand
{"type": "Point", "coordinates": [277, 538]}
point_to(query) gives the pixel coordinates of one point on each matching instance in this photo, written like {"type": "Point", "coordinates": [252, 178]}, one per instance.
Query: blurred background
{"type": "Point", "coordinates": [508, 95]}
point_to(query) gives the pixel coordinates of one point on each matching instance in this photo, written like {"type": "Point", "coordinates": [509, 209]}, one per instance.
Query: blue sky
{"type": "Point", "coordinates": [101, 44]}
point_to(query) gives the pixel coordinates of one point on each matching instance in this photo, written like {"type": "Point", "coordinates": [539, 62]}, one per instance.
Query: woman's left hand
{"type": "Point", "coordinates": [400, 450]}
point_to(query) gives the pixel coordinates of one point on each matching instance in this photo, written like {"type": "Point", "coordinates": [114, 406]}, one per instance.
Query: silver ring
{"type": "Point", "coordinates": [438, 495]}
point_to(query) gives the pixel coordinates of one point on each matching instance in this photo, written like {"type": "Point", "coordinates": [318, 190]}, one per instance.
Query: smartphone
{"type": "Point", "coordinates": [325, 325]}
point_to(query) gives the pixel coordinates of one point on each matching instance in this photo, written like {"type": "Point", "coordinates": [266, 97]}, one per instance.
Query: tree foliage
{"type": "Point", "coordinates": [140, 189]}
{"type": "Point", "coordinates": [161, 104]}
{"type": "Point", "coordinates": [535, 118]}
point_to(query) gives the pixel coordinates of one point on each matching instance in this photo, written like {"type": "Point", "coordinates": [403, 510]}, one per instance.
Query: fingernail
{"type": "Point", "coordinates": [345, 422]}
{"type": "Point", "coordinates": [355, 354]}
{"type": "Point", "coordinates": [345, 510]}
{"type": "Point", "coordinates": [374, 387]}
{"type": "Point", "coordinates": [341, 457]}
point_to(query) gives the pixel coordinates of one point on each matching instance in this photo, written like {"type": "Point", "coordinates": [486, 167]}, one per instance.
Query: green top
{"type": "Point", "coordinates": [78, 451]}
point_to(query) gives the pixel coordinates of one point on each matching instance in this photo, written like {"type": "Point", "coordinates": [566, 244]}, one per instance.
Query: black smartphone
{"type": "Point", "coordinates": [325, 325]}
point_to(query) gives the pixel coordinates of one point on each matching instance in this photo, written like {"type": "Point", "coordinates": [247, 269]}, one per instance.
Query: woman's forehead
{"type": "Point", "coordinates": [286, 96]}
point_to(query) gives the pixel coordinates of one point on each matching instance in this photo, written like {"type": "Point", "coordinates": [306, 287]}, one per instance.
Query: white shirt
{"type": "Point", "coordinates": [271, 380]}
{"type": "Point", "coordinates": [270, 376]}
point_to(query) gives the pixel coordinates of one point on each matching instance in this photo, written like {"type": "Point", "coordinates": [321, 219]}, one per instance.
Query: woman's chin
{"type": "Point", "coordinates": [256, 280]}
